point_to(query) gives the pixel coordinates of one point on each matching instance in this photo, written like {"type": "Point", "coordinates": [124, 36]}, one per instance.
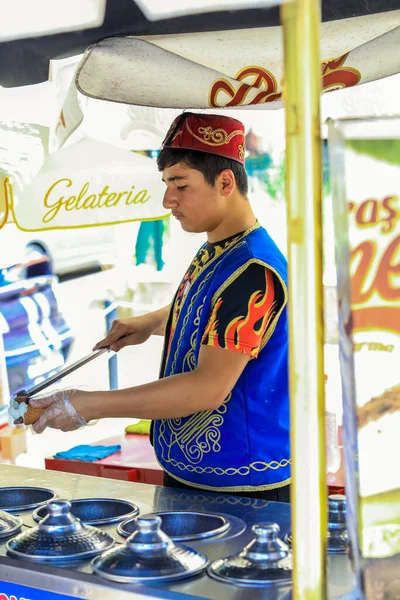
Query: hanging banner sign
{"type": "Point", "coordinates": [365, 163]}
{"type": "Point", "coordinates": [89, 184]}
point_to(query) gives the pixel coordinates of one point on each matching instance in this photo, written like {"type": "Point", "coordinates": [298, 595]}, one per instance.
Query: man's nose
{"type": "Point", "coordinates": [170, 200]}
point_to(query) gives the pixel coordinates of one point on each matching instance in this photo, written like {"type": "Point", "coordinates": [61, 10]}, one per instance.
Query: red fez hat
{"type": "Point", "coordinates": [215, 134]}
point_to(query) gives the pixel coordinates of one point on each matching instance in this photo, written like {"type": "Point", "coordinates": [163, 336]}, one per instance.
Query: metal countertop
{"type": "Point", "coordinates": [79, 582]}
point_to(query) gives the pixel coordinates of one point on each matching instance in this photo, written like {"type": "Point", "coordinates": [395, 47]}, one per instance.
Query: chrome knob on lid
{"type": "Point", "coordinates": [267, 545]}
{"type": "Point", "coordinates": [149, 535]}
{"type": "Point", "coordinates": [59, 517]}
{"type": "Point", "coordinates": [265, 561]}
{"type": "Point", "coordinates": [149, 555]}
{"type": "Point", "coordinates": [338, 538]}
{"type": "Point", "coordinates": [59, 507]}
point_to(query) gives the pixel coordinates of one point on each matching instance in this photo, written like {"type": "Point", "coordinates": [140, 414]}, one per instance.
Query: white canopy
{"type": "Point", "coordinates": [225, 69]}
{"type": "Point", "coordinates": [233, 68]}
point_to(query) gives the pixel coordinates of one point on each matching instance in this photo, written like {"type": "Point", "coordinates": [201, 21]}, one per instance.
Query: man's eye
{"type": "Point", "coordinates": [181, 187]}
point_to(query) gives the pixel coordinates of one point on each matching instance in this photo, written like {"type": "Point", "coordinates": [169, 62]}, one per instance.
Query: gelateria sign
{"type": "Point", "coordinates": [88, 184]}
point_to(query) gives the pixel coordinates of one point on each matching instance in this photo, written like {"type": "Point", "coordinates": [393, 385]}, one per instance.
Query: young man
{"type": "Point", "coordinates": [220, 409]}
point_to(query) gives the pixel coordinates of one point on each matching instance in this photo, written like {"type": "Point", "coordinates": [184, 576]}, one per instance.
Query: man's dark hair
{"type": "Point", "coordinates": [211, 165]}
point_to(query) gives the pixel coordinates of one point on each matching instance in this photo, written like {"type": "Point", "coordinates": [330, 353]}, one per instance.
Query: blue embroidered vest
{"type": "Point", "coordinates": [244, 444]}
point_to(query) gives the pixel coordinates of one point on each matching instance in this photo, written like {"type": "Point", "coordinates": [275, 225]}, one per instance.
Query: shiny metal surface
{"type": "Point", "coordinates": [36, 389]}
{"type": "Point", "coordinates": [9, 525]}
{"type": "Point", "coordinates": [149, 555]}
{"type": "Point", "coordinates": [97, 511]}
{"type": "Point", "coordinates": [337, 535]}
{"type": "Point", "coordinates": [19, 499]}
{"type": "Point", "coordinates": [59, 537]}
{"type": "Point", "coordinates": [183, 526]}
{"type": "Point", "coordinates": [79, 581]}
{"type": "Point", "coordinates": [338, 539]}
{"type": "Point", "coordinates": [266, 561]}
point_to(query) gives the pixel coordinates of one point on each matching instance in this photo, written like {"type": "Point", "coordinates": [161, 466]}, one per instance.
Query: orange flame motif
{"type": "Point", "coordinates": [244, 333]}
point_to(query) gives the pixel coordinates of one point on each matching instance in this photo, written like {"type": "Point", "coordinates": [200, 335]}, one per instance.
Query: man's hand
{"type": "Point", "coordinates": [136, 330]}
{"type": "Point", "coordinates": [58, 412]}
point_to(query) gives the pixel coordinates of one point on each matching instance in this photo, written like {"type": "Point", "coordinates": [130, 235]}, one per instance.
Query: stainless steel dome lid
{"type": "Point", "coordinates": [58, 537]}
{"type": "Point", "coordinates": [265, 561]}
{"type": "Point", "coordinates": [149, 555]}
{"type": "Point", "coordinates": [9, 524]}
{"type": "Point", "coordinates": [337, 535]}
{"type": "Point", "coordinates": [97, 511]}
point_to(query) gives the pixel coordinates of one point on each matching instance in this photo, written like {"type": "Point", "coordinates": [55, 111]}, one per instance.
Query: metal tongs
{"type": "Point", "coordinates": [76, 365]}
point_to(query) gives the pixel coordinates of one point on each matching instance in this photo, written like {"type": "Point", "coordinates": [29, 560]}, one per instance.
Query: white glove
{"type": "Point", "coordinates": [58, 412]}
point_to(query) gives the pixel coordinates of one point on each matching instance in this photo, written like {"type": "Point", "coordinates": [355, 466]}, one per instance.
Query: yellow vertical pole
{"type": "Point", "coordinates": [4, 390]}
{"type": "Point", "coordinates": [3, 202]}
{"type": "Point", "coordinates": [301, 24]}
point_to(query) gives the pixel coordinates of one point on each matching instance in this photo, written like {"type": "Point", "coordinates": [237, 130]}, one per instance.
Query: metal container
{"type": "Point", "coordinates": [265, 562]}
{"type": "Point", "coordinates": [338, 539]}
{"type": "Point", "coordinates": [59, 537]}
{"type": "Point", "coordinates": [96, 511]}
{"type": "Point", "coordinates": [76, 578]}
{"type": "Point", "coordinates": [149, 555]}
{"type": "Point", "coordinates": [18, 499]}
{"type": "Point", "coordinates": [183, 526]}
{"type": "Point", "coordinates": [337, 536]}
{"type": "Point", "coordinates": [9, 525]}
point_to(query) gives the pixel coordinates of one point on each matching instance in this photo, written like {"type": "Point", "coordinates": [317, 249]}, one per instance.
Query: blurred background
{"type": "Point", "coordinates": [60, 290]}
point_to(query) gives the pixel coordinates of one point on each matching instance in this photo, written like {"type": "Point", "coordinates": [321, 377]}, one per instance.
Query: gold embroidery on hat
{"type": "Point", "coordinates": [241, 151]}
{"type": "Point", "coordinates": [214, 137]}
{"type": "Point", "coordinates": [179, 132]}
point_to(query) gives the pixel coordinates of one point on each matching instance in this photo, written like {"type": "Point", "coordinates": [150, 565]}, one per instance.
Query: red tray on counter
{"type": "Point", "coordinates": [135, 462]}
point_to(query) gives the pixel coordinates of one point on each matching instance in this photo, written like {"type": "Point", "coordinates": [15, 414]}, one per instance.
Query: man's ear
{"type": "Point", "coordinates": [227, 182]}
